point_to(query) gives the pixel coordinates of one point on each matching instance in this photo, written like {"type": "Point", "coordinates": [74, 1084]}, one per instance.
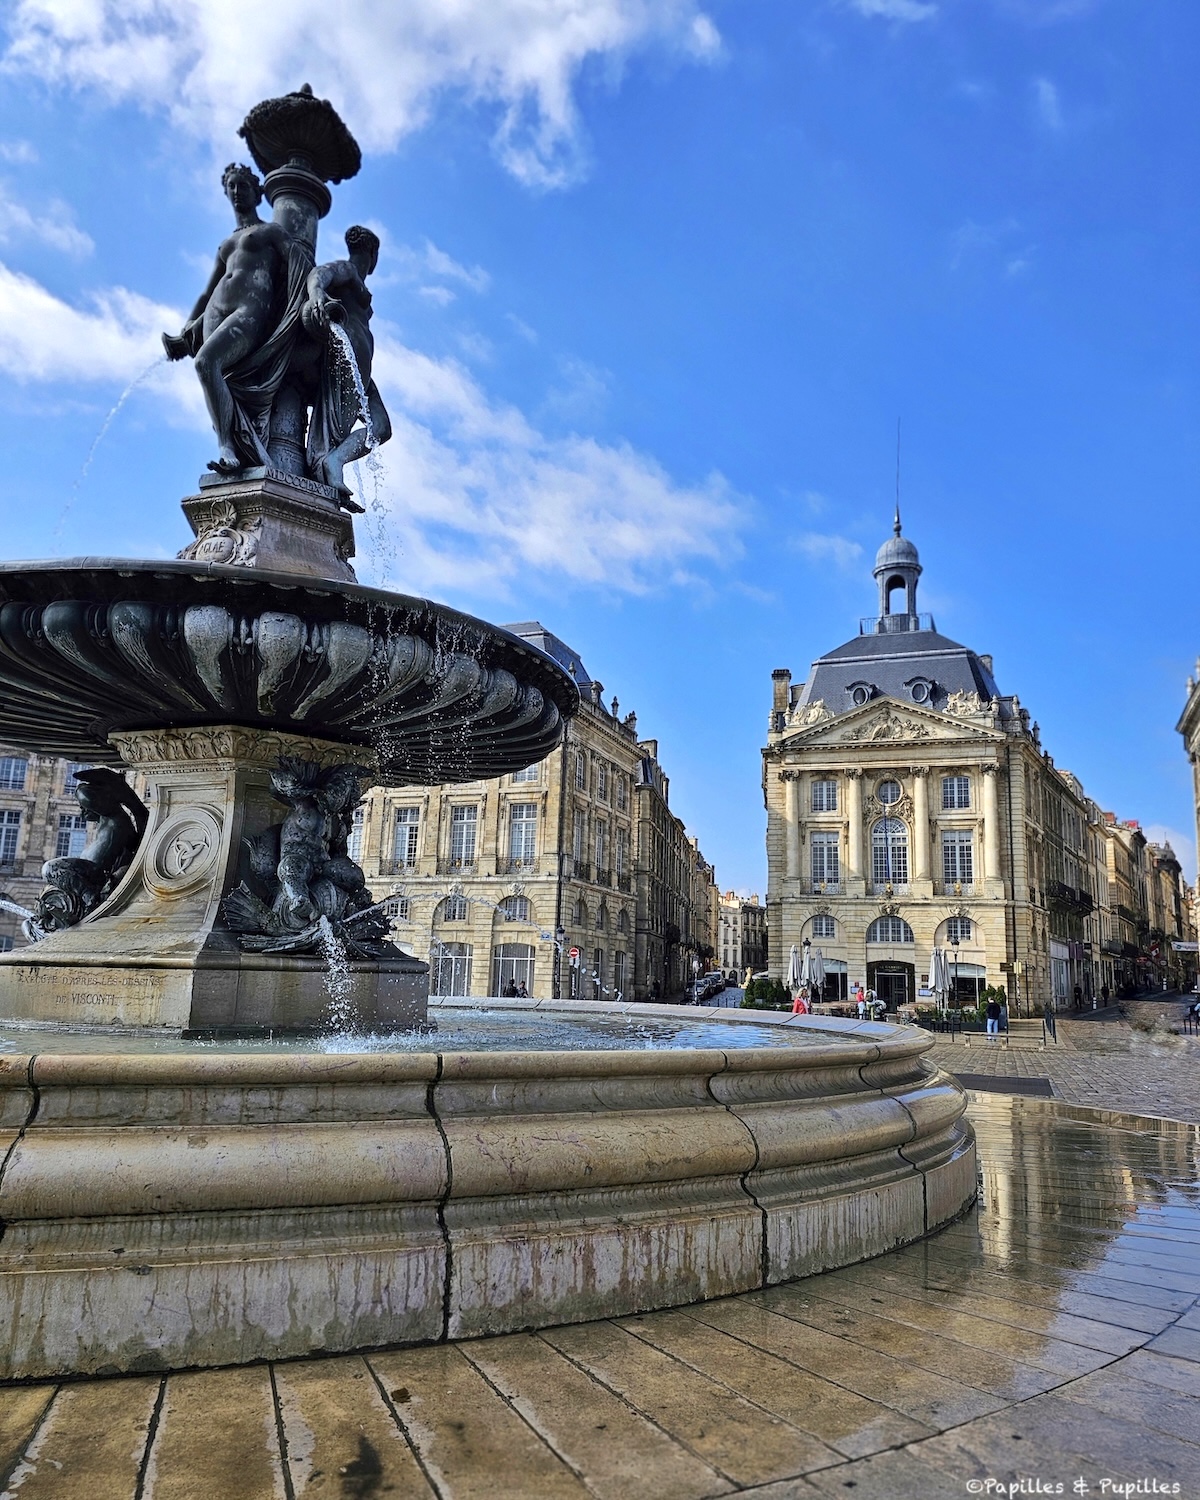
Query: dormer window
{"type": "Point", "coordinates": [920, 689]}
{"type": "Point", "coordinates": [860, 693]}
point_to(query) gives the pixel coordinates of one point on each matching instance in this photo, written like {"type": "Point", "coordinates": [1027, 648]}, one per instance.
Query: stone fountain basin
{"type": "Point", "coordinates": [93, 646]}
{"type": "Point", "coordinates": [206, 1208]}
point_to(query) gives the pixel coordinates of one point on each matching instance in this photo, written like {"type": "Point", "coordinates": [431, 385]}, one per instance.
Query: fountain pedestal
{"type": "Point", "coordinates": [271, 520]}
{"type": "Point", "coordinates": [157, 952]}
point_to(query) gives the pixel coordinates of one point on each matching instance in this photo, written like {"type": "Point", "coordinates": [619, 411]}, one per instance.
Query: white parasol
{"type": "Point", "coordinates": [795, 977]}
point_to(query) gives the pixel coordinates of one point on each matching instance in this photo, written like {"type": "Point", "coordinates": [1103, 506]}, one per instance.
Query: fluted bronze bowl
{"type": "Point", "coordinates": [93, 645]}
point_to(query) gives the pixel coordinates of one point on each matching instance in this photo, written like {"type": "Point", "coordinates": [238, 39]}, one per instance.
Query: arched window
{"type": "Point", "coordinates": [889, 852]}
{"type": "Point", "coordinates": [514, 909]}
{"type": "Point", "coordinates": [623, 921]}
{"type": "Point", "coordinates": [958, 928]}
{"type": "Point", "coordinates": [580, 913]}
{"type": "Point", "coordinates": [512, 966]}
{"type": "Point", "coordinates": [450, 969]}
{"type": "Point", "coordinates": [824, 927]}
{"type": "Point", "coordinates": [454, 909]}
{"type": "Point", "coordinates": [890, 930]}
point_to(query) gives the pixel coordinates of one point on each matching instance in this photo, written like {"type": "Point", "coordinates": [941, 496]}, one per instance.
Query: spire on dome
{"type": "Point", "coordinates": [896, 526]}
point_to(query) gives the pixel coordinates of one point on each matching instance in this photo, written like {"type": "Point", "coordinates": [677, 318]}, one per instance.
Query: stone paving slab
{"type": "Point", "coordinates": [1052, 1334]}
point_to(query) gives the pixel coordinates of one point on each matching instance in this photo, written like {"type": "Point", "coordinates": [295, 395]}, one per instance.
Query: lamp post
{"type": "Point", "coordinates": [954, 945]}
{"type": "Point", "coordinates": [560, 938]}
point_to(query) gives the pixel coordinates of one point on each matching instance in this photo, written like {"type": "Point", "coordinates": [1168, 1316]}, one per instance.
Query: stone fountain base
{"type": "Point", "coordinates": [156, 953]}
{"type": "Point", "coordinates": [169, 1211]}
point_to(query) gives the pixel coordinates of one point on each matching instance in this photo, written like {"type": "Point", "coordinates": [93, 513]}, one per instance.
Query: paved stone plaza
{"type": "Point", "coordinates": [1054, 1334]}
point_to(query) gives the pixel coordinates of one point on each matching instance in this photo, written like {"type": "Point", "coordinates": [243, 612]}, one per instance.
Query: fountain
{"type": "Point", "coordinates": [229, 1131]}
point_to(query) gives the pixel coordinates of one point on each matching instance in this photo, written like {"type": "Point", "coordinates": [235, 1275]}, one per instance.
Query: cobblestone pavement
{"type": "Point", "coordinates": [1050, 1336]}
{"type": "Point", "coordinates": [1102, 1061]}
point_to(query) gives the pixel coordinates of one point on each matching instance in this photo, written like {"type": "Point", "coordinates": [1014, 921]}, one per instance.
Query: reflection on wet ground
{"type": "Point", "coordinates": [1053, 1335]}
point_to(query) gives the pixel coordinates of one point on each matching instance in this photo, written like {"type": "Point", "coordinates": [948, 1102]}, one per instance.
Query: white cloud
{"type": "Point", "coordinates": [895, 10]}
{"type": "Point", "coordinates": [1183, 844]}
{"type": "Point", "coordinates": [55, 228]}
{"type": "Point", "coordinates": [479, 499]}
{"type": "Point", "coordinates": [22, 153]}
{"type": "Point", "coordinates": [113, 340]}
{"type": "Point", "coordinates": [203, 62]}
{"type": "Point", "coordinates": [819, 547]}
{"type": "Point", "coordinates": [1048, 103]}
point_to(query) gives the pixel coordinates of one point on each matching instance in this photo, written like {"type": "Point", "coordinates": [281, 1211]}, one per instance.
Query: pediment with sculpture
{"type": "Point", "coordinates": [887, 720]}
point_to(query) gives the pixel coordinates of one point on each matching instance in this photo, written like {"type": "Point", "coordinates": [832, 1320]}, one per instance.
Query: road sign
{"type": "Point", "coordinates": [573, 956]}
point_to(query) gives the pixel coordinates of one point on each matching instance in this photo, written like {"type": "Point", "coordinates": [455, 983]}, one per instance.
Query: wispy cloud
{"type": "Point", "coordinates": [1047, 104]}
{"type": "Point", "coordinates": [384, 64]}
{"type": "Point", "coordinates": [476, 497]}
{"type": "Point", "coordinates": [820, 547]}
{"type": "Point", "coordinates": [20, 153]}
{"type": "Point", "coordinates": [54, 227]}
{"type": "Point", "coordinates": [895, 10]}
{"type": "Point", "coordinates": [992, 245]}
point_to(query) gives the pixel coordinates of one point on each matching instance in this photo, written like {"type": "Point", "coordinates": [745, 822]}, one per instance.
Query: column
{"type": "Point", "coordinates": [991, 825]}
{"type": "Point", "coordinates": [854, 835]}
{"type": "Point", "coordinates": [791, 822]}
{"type": "Point", "coordinates": [920, 776]}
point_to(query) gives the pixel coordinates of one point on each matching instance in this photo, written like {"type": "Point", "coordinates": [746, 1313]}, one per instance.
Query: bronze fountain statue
{"type": "Point", "coordinates": [254, 670]}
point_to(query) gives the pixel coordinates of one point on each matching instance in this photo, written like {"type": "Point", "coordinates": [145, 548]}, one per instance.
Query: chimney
{"type": "Point", "coordinates": [781, 681]}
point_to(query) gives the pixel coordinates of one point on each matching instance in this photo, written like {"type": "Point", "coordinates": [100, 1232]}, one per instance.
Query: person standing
{"type": "Point", "coordinates": [993, 1016]}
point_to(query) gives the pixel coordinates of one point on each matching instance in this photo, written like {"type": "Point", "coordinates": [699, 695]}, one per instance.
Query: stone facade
{"type": "Point", "coordinates": [910, 803]}
{"type": "Point", "coordinates": [495, 882]}
{"type": "Point", "coordinates": [742, 940]}
{"type": "Point", "coordinates": [39, 821]}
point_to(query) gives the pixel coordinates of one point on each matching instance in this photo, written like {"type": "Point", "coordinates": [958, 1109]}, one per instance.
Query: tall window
{"type": "Point", "coordinates": [354, 842]}
{"type": "Point", "coordinates": [601, 845]}
{"type": "Point", "coordinates": [890, 930]}
{"type": "Point", "coordinates": [602, 780]}
{"type": "Point", "coordinates": [619, 972]}
{"type": "Point", "coordinates": [12, 773]}
{"type": "Point", "coordinates": [70, 781]}
{"type": "Point", "coordinates": [522, 837]}
{"type": "Point", "coordinates": [622, 921]}
{"type": "Point", "coordinates": [824, 926]}
{"type": "Point", "coordinates": [601, 917]}
{"type": "Point", "coordinates": [889, 852]}
{"type": "Point", "coordinates": [958, 929]}
{"type": "Point", "coordinates": [72, 836]}
{"type": "Point", "coordinates": [10, 830]}
{"type": "Point", "coordinates": [597, 972]}
{"type": "Point", "coordinates": [451, 969]}
{"type": "Point", "coordinates": [454, 909]}
{"type": "Point", "coordinates": [824, 796]}
{"type": "Point", "coordinates": [824, 847]}
{"type": "Point", "coordinates": [622, 791]}
{"type": "Point", "coordinates": [580, 773]}
{"type": "Point", "coordinates": [463, 823]}
{"type": "Point", "coordinates": [530, 773]}
{"type": "Point", "coordinates": [956, 793]}
{"type": "Point", "coordinates": [512, 966]}
{"type": "Point", "coordinates": [579, 913]}
{"type": "Point", "coordinates": [958, 856]}
{"type": "Point", "coordinates": [408, 830]}
{"type": "Point", "coordinates": [514, 909]}
{"type": "Point", "coordinates": [622, 852]}
{"type": "Point", "coordinates": [577, 833]}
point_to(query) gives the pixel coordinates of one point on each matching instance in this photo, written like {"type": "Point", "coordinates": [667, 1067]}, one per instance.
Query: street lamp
{"type": "Point", "coordinates": [560, 938]}
{"type": "Point", "coordinates": [954, 945]}
{"type": "Point", "coordinates": [804, 966]}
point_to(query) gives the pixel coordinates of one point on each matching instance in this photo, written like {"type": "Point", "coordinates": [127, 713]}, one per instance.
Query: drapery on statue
{"type": "Point", "coordinates": [303, 885]}
{"type": "Point", "coordinates": [232, 322]}
{"type": "Point", "coordinates": [260, 331]}
{"type": "Point", "coordinates": [337, 293]}
{"type": "Point", "coordinates": [76, 885]}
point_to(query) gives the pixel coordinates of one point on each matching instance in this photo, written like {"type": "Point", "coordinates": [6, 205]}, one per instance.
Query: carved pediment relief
{"type": "Point", "coordinates": [961, 704]}
{"type": "Point", "coordinates": [887, 721]}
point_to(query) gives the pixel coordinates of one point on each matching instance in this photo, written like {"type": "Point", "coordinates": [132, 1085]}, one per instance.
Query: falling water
{"type": "Point", "coordinates": [338, 979]}
{"type": "Point", "coordinates": [100, 436]}
{"type": "Point", "coordinates": [371, 463]}
{"type": "Point", "coordinates": [19, 911]}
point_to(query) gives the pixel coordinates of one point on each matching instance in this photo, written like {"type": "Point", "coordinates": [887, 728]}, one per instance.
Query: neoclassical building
{"type": "Point", "coordinates": [910, 804]}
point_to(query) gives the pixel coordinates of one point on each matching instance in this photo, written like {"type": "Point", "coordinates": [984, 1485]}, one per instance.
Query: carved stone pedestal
{"type": "Point", "coordinates": [270, 520]}
{"type": "Point", "coordinates": [157, 952]}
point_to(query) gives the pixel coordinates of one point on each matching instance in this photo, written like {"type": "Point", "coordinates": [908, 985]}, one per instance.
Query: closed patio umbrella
{"type": "Point", "coordinates": [939, 977]}
{"type": "Point", "coordinates": [818, 973]}
{"type": "Point", "coordinates": [794, 976]}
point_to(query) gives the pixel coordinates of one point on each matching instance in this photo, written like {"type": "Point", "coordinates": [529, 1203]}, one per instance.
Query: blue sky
{"type": "Point", "coordinates": [658, 279]}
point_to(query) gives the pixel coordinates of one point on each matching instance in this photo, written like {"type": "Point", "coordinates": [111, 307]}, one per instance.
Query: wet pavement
{"type": "Point", "coordinates": [1050, 1338]}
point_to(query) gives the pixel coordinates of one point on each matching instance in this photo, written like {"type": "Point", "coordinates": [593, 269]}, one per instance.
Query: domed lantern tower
{"type": "Point", "coordinates": [897, 566]}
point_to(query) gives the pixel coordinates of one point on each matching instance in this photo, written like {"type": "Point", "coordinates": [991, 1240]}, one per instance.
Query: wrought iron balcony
{"type": "Point", "coordinates": [460, 867]}
{"type": "Point", "coordinates": [604, 877]}
{"type": "Point", "coordinates": [821, 887]}
{"type": "Point", "coordinates": [581, 870]}
{"type": "Point", "coordinates": [516, 866]}
{"type": "Point", "coordinates": [397, 867]}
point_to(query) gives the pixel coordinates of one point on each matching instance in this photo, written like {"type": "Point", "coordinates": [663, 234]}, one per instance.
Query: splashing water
{"type": "Point", "coordinates": [338, 979]}
{"type": "Point", "coordinates": [103, 432]}
{"type": "Point", "coordinates": [19, 911]}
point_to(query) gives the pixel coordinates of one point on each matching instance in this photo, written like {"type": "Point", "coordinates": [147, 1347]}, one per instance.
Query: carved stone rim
{"type": "Point", "coordinates": [223, 743]}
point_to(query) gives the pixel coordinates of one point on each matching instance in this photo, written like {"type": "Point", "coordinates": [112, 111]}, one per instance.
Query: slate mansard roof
{"type": "Point", "coordinates": [890, 664]}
